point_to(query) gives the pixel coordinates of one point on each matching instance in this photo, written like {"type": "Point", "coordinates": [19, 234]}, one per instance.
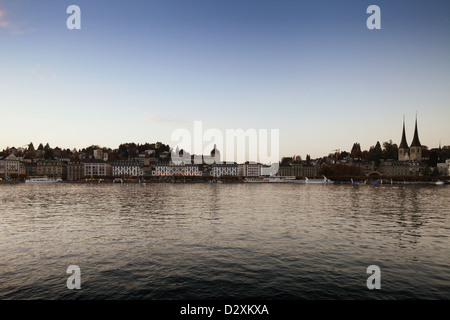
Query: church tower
{"type": "Point", "coordinates": [215, 154]}
{"type": "Point", "coordinates": [403, 149]}
{"type": "Point", "coordinates": [416, 147]}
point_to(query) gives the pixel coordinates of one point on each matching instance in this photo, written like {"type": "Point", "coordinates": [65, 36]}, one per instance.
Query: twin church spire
{"type": "Point", "coordinates": [413, 152]}
{"type": "Point", "coordinates": [416, 142]}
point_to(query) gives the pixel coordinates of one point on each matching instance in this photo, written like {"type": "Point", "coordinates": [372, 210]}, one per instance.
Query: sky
{"type": "Point", "coordinates": [138, 70]}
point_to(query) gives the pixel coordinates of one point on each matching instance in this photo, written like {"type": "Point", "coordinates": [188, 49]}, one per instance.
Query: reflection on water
{"type": "Point", "coordinates": [203, 241]}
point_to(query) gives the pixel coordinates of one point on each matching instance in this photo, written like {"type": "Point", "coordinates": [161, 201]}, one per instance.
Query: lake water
{"type": "Point", "coordinates": [224, 241]}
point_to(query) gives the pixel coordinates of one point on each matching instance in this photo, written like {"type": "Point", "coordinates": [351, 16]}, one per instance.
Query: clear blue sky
{"type": "Point", "coordinates": [137, 70]}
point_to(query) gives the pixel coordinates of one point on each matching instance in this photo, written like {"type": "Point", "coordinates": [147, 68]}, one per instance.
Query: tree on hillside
{"type": "Point", "coordinates": [285, 160]}
{"type": "Point", "coordinates": [445, 153]}
{"type": "Point", "coordinates": [356, 152]}
{"type": "Point", "coordinates": [377, 153]}
{"type": "Point", "coordinates": [390, 150]}
{"type": "Point", "coordinates": [433, 159]}
{"type": "Point", "coordinates": [48, 152]}
{"type": "Point", "coordinates": [30, 154]}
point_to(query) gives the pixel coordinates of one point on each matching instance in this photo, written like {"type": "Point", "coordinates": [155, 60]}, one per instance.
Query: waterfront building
{"type": "Point", "coordinates": [297, 169]}
{"type": "Point", "coordinates": [291, 169]}
{"type": "Point", "coordinates": [172, 169]}
{"type": "Point", "coordinates": [49, 168]}
{"type": "Point", "coordinates": [9, 165]}
{"type": "Point", "coordinates": [22, 170]}
{"type": "Point", "coordinates": [95, 168]}
{"type": "Point", "coordinates": [192, 170]}
{"type": "Point", "coordinates": [206, 170]}
{"type": "Point", "coordinates": [75, 171]}
{"type": "Point", "coordinates": [12, 164]}
{"type": "Point", "coordinates": [126, 168]}
{"type": "Point", "coordinates": [310, 170]}
{"type": "Point", "coordinates": [224, 169]}
{"type": "Point", "coordinates": [399, 168]}
{"type": "Point", "coordinates": [31, 168]}
{"type": "Point", "coordinates": [147, 171]}
{"type": "Point", "coordinates": [249, 169]}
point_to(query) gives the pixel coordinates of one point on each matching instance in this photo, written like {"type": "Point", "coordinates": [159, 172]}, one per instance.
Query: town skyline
{"type": "Point", "coordinates": [409, 133]}
{"type": "Point", "coordinates": [403, 140]}
{"type": "Point", "coordinates": [158, 162]}
{"type": "Point", "coordinates": [405, 137]}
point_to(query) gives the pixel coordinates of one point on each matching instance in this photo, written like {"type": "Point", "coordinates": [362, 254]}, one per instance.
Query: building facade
{"type": "Point", "coordinates": [399, 168]}
{"type": "Point", "coordinates": [31, 168]}
{"type": "Point", "coordinates": [97, 168]}
{"type": "Point", "coordinates": [75, 171]}
{"type": "Point", "coordinates": [172, 169]}
{"type": "Point", "coordinates": [49, 168]}
{"type": "Point", "coordinates": [126, 168]}
{"type": "Point", "coordinates": [298, 169]}
{"type": "Point", "coordinates": [224, 169]}
{"type": "Point", "coordinates": [10, 166]}
{"type": "Point", "coordinates": [249, 169]}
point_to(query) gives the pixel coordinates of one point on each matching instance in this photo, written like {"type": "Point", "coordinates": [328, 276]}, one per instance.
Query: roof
{"type": "Point", "coordinates": [94, 161]}
{"type": "Point", "coordinates": [403, 144]}
{"type": "Point", "coordinates": [416, 142]}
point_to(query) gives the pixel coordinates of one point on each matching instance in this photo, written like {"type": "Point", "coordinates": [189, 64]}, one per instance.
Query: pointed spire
{"type": "Point", "coordinates": [416, 142]}
{"type": "Point", "coordinates": [403, 144]}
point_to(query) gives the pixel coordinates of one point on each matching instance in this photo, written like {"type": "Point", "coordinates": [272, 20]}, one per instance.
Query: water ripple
{"type": "Point", "coordinates": [201, 241]}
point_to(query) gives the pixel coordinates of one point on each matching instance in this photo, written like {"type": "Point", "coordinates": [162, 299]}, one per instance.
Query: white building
{"type": "Point", "coordinates": [171, 169]}
{"type": "Point", "coordinates": [9, 165]}
{"type": "Point", "coordinates": [192, 170]}
{"type": "Point", "coordinates": [94, 168]}
{"type": "Point", "coordinates": [126, 168]}
{"type": "Point", "coordinates": [224, 169]}
{"type": "Point", "coordinates": [249, 169]}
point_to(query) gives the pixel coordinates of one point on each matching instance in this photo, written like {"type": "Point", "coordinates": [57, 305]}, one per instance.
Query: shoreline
{"type": "Point", "coordinates": [236, 181]}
